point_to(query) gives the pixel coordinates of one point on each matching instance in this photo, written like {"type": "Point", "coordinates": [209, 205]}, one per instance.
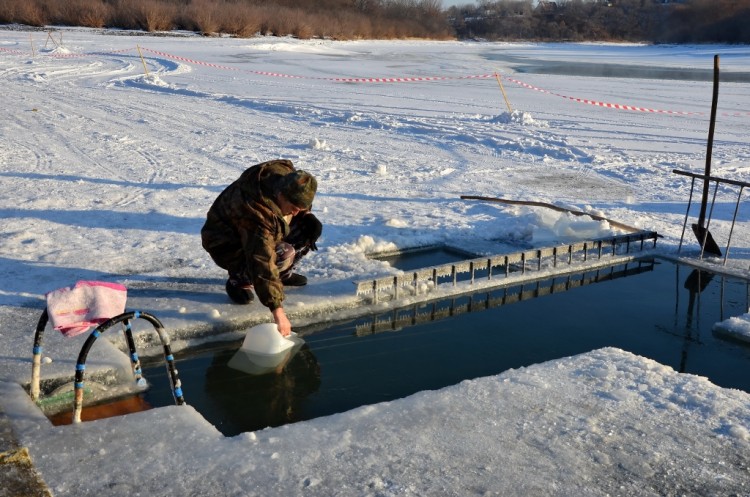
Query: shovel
{"type": "Point", "coordinates": [701, 232]}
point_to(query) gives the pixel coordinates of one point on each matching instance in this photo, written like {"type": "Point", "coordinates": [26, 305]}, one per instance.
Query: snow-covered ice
{"type": "Point", "coordinates": [107, 173]}
{"type": "Point", "coordinates": [604, 423]}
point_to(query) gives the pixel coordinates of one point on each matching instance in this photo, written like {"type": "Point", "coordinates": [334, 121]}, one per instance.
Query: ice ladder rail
{"type": "Point", "coordinates": [124, 318]}
{"type": "Point", "coordinates": [424, 313]}
{"type": "Point", "coordinates": [693, 176]}
{"type": "Point", "coordinates": [533, 260]}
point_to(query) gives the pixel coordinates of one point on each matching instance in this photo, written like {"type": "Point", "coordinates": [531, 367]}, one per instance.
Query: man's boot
{"type": "Point", "coordinates": [239, 290]}
{"type": "Point", "coordinates": [294, 279]}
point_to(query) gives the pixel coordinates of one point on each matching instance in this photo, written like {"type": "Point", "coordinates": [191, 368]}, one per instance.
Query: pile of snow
{"type": "Point", "coordinates": [519, 117]}
{"type": "Point", "coordinates": [555, 227]}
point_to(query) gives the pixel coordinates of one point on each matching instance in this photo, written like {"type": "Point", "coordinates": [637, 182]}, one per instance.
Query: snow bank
{"type": "Point", "coordinates": [603, 423]}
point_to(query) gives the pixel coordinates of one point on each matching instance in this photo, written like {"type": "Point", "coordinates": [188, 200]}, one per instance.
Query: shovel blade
{"type": "Point", "coordinates": [703, 235]}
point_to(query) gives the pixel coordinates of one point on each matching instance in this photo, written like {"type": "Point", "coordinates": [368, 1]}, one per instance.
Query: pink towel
{"type": "Point", "coordinates": [73, 310]}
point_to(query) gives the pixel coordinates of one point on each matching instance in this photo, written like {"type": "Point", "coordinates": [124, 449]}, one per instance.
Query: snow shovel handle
{"type": "Point", "coordinates": [709, 147]}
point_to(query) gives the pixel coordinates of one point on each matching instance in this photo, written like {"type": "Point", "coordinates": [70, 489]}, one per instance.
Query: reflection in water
{"type": "Point", "coordinates": [244, 402]}
{"type": "Point", "coordinates": [696, 282]}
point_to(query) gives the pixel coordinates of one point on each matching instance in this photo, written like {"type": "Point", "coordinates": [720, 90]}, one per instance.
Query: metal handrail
{"type": "Point", "coordinates": [707, 179]}
{"type": "Point", "coordinates": [124, 318]}
{"type": "Point", "coordinates": [712, 178]}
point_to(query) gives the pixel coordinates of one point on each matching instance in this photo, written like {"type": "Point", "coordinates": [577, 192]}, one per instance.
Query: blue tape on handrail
{"type": "Point", "coordinates": [80, 366]}
{"type": "Point", "coordinates": [97, 333]}
{"type": "Point", "coordinates": [170, 357]}
{"type": "Point", "coordinates": [79, 384]}
{"type": "Point", "coordinates": [178, 392]}
{"type": "Point", "coordinates": [37, 349]}
{"type": "Point", "coordinates": [137, 314]}
{"type": "Point", "coordinates": [134, 356]}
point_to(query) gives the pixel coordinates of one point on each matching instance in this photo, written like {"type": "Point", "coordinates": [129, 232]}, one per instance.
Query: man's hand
{"type": "Point", "coordinates": [282, 322]}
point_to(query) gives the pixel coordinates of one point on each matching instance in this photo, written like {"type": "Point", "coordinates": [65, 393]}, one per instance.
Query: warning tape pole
{"type": "Point", "coordinates": [500, 83]}
{"type": "Point", "coordinates": [142, 59]}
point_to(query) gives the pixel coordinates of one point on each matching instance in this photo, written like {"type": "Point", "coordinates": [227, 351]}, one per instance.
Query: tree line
{"type": "Point", "coordinates": [334, 19]}
{"type": "Point", "coordinates": [658, 21]}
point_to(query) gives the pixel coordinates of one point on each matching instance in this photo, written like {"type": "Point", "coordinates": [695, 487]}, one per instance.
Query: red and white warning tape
{"type": "Point", "coordinates": [88, 54]}
{"type": "Point", "coordinates": [190, 61]}
{"type": "Point", "coordinates": [603, 104]}
{"type": "Point", "coordinates": [415, 79]}
{"type": "Point", "coordinates": [16, 52]}
{"type": "Point", "coordinates": [338, 80]}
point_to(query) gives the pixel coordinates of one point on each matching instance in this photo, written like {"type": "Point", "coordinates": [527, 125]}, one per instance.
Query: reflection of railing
{"type": "Point", "coordinates": [502, 266]}
{"type": "Point", "coordinates": [417, 314]}
{"type": "Point", "coordinates": [718, 181]}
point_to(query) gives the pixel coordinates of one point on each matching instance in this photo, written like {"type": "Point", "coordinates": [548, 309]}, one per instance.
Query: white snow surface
{"type": "Point", "coordinates": [110, 161]}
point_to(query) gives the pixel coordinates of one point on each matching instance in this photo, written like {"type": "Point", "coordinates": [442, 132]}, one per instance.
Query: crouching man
{"type": "Point", "coordinates": [258, 228]}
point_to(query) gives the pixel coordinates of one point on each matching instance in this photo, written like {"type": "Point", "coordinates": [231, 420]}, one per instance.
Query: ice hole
{"type": "Point", "coordinates": [420, 257]}
{"type": "Point", "coordinates": [651, 307]}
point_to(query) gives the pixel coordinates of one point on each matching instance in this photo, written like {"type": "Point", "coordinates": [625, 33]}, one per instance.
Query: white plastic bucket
{"type": "Point", "coordinates": [266, 339]}
{"type": "Point", "coordinates": [264, 349]}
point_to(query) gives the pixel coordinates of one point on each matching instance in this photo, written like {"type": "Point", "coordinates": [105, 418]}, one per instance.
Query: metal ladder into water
{"type": "Point", "coordinates": [124, 318]}
{"type": "Point", "coordinates": [528, 263]}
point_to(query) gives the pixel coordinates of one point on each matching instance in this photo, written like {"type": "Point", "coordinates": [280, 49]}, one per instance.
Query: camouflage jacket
{"type": "Point", "coordinates": [243, 226]}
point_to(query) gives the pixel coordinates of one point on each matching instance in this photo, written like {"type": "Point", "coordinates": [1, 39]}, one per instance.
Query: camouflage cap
{"type": "Point", "coordinates": [299, 188]}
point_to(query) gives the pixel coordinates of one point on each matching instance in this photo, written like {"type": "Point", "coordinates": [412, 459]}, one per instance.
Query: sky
{"type": "Point", "coordinates": [452, 3]}
{"type": "Point", "coordinates": [114, 147]}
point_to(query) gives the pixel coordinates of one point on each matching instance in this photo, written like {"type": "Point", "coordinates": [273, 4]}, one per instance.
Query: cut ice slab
{"type": "Point", "coordinates": [264, 350]}
{"type": "Point", "coordinates": [737, 328]}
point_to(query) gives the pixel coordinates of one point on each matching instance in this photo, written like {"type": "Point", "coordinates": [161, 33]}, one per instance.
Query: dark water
{"type": "Point", "coordinates": [608, 70]}
{"type": "Point", "coordinates": [417, 259]}
{"type": "Point", "coordinates": [655, 309]}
